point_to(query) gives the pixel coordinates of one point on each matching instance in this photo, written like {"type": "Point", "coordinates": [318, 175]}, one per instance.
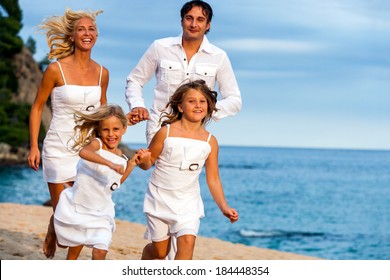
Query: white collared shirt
{"type": "Point", "coordinates": [166, 59]}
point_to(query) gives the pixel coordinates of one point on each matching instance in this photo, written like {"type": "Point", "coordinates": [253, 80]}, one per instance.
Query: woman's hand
{"type": "Point", "coordinates": [34, 158]}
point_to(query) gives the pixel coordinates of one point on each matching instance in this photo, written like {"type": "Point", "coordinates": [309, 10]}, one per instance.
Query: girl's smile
{"type": "Point", "coordinates": [194, 105]}
{"type": "Point", "coordinates": [111, 131]}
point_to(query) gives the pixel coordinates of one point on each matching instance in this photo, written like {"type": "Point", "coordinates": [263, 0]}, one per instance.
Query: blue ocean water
{"type": "Point", "coordinates": [332, 204]}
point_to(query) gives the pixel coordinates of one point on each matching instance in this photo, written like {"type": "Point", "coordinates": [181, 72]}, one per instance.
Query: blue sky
{"type": "Point", "coordinates": [312, 74]}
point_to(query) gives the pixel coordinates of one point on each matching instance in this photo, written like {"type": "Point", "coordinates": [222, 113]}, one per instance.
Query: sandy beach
{"type": "Point", "coordinates": [23, 229]}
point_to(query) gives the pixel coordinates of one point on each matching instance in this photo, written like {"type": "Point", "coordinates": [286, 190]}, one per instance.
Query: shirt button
{"type": "Point", "coordinates": [188, 74]}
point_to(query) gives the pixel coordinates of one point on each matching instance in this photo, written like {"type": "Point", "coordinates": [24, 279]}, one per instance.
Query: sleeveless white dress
{"type": "Point", "coordinates": [58, 159]}
{"type": "Point", "coordinates": [173, 194]}
{"type": "Point", "coordinates": [85, 212]}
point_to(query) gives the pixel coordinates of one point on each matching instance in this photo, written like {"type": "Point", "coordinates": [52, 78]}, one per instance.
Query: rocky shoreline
{"type": "Point", "coordinates": [12, 155]}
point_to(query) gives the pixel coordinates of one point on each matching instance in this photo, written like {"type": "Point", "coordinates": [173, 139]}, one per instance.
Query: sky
{"type": "Point", "coordinates": [312, 74]}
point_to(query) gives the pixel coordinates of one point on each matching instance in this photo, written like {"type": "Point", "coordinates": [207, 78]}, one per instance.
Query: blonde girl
{"type": "Point", "coordinates": [85, 213]}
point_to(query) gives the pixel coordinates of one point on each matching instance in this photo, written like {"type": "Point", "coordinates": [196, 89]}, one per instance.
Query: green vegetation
{"type": "Point", "coordinates": [31, 45]}
{"type": "Point", "coordinates": [14, 117]}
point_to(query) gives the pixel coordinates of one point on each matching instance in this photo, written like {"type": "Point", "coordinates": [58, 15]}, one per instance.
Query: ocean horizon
{"type": "Point", "coordinates": [326, 203]}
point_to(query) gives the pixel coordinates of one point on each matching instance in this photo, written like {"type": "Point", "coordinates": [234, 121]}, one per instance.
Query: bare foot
{"type": "Point", "coordinates": [50, 243]}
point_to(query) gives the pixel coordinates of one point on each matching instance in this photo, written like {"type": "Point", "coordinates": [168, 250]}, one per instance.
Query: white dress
{"type": "Point", "coordinates": [173, 195]}
{"type": "Point", "coordinates": [58, 159]}
{"type": "Point", "coordinates": [85, 212]}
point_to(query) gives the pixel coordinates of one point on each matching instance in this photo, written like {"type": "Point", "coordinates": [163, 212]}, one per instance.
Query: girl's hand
{"type": "Point", "coordinates": [144, 156]}
{"type": "Point", "coordinates": [231, 214]}
{"type": "Point", "coordinates": [133, 161]}
{"type": "Point", "coordinates": [118, 168]}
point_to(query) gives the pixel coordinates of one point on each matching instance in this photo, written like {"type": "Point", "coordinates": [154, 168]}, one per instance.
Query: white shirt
{"type": "Point", "coordinates": [167, 59]}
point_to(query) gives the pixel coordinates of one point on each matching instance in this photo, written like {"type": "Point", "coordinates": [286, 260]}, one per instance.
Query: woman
{"type": "Point", "coordinates": [73, 82]}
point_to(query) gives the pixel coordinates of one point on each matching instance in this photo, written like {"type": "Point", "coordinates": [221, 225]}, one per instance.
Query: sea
{"type": "Point", "coordinates": [326, 203]}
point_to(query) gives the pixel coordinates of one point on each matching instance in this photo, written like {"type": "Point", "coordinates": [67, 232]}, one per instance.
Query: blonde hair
{"type": "Point", "coordinates": [59, 30]}
{"type": "Point", "coordinates": [171, 112]}
{"type": "Point", "coordinates": [87, 125]}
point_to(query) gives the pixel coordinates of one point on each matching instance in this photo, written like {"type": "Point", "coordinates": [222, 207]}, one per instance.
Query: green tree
{"type": "Point", "coordinates": [10, 42]}
{"type": "Point", "coordinates": [31, 45]}
{"type": "Point", "coordinates": [44, 63]}
{"type": "Point", "coordinates": [14, 117]}
{"type": "Point", "coordinates": [10, 25]}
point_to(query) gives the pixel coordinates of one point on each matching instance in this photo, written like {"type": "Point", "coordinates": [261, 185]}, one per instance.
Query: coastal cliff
{"type": "Point", "coordinates": [28, 75]}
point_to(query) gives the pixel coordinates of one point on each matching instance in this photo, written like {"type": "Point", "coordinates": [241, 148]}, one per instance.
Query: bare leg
{"type": "Point", "coordinates": [50, 243]}
{"type": "Point", "coordinates": [185, 247]}
{"type": "Point", "coordinates": [156, 250]}
{"type": "Point", "coordinates": [74, 252]}
{"type": "Point", "coordinates": [98, 254]}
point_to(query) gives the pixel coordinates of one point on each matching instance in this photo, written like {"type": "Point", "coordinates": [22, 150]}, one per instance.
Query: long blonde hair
{"type": "Point", "coordinates": [59, 30]}
{"type": "Point", "coordinates": [87, 125]}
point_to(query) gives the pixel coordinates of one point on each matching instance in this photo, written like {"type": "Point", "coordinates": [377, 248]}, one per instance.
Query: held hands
{"type": "Point", "coordinates": [144, 158]}
{"type": "Point", "coordinates": [137, 115]}
{"type": "Point", "coordinates": [230, 213]}
{"type": "Point", "coordinates": [133, 161]}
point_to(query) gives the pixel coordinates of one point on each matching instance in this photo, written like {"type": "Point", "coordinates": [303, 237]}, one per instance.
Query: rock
{"type": "Point", "coordinates": [12, 155]}
{"type": "Point", "coordinates": [126, 150]}
{"type": "Point", "coordinates": [29, 77]}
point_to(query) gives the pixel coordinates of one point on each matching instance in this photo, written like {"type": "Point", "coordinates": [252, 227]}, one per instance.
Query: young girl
{"type": "Point", "coordinates": [173, 204]}
{"type": "Point", "coordinates": [85, 213]}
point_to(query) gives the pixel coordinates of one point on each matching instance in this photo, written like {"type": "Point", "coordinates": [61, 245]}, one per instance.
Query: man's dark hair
{"type": "Point", "coordinates": [207, 10]}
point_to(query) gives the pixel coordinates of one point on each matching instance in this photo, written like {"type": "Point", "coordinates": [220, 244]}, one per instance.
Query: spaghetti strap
{"type": "Point", "coordinates": [100, 77]}
{"type": "Point", "coordinates": [62, 73]}
{"type": "Point", "coordinates": [168, 126]}
{"type": "Point", "coordinates": [125, 157]}
{"type": "Point", "coordinates": [208, 138]}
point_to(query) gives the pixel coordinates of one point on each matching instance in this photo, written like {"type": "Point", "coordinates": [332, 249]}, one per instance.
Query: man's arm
{"type": "Point", "coordinates": [139, 76]}
{"type": "Point", "coordinates": [230, 102]}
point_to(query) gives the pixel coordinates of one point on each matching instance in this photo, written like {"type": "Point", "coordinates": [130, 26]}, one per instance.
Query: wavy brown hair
{"type": "Point", "coordinates": [171, 113]}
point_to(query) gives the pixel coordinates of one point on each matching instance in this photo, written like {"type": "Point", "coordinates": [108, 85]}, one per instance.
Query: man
{"type": "Point", "coordinates": [175, 60]}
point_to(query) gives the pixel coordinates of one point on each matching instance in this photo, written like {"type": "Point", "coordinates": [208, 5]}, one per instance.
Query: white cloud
{"type": "Point", "coordinates": [269, 45]}
{"type": "Point", "coordinates": [255, 74]}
